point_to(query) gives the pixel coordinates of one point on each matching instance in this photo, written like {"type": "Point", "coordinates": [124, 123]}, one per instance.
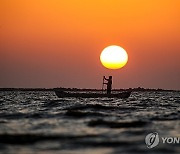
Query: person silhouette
{"type": "Point", "coordinates": [108, 83]}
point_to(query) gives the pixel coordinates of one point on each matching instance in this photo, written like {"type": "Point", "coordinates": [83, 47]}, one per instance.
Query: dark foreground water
{"type": "Point", "coordinates": [39, 122]}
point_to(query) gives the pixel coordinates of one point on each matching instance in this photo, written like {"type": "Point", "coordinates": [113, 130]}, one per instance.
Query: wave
{"type": "Point", "coordinates": [115, 124]}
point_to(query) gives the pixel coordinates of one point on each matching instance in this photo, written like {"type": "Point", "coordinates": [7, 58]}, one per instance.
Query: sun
{"type": "Point", "coordinates": [114, 57]}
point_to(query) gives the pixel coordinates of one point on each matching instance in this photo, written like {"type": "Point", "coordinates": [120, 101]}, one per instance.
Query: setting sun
{"type": "Point", "coordinates": [114, 57]}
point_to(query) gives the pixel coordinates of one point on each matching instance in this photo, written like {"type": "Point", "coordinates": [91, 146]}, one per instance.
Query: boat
{"type": "Point", "coordinates": [62, 94]}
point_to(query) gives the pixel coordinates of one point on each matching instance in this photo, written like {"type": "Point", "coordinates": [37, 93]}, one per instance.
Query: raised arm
{"type": "Point", "coordinates": [105, 78]}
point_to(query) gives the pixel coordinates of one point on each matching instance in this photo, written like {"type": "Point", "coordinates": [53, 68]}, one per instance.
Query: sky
{"type": "Point", "coordinates": [57, 43]}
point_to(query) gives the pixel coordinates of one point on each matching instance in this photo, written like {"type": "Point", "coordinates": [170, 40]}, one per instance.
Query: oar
{"type": "Point", "coordinates": [103, 85]}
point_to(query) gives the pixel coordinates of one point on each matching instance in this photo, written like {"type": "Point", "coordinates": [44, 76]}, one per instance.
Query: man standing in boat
{"type": "Point", "coordinates": [108, 83]}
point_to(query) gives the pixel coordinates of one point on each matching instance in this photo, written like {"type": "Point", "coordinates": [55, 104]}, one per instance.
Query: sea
{"type": "Point", "coordinates": [38, 122]}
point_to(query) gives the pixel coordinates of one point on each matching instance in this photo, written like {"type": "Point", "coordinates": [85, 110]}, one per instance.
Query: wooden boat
{"type": "Point", "coordinates": [62, 94]}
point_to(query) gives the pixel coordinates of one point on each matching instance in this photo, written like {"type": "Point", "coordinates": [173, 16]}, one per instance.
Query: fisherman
{"type": "Point", "coordinates": [108, 83]}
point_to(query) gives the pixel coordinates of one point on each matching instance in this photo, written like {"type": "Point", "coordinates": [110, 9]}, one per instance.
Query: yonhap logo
{"type": "Point", "coordinates": [152, 140]}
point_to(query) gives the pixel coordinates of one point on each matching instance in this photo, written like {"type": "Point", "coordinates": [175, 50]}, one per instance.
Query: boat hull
{"type": "Point", "coordinates": [62, 94]}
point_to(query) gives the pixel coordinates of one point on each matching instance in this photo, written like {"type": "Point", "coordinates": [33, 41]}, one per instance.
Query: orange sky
{"type": "Point", "coordinates": [53, 43]}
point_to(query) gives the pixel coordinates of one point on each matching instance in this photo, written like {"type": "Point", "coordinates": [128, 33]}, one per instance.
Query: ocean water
{"type": "Point", "coordinates": [40, 122]}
